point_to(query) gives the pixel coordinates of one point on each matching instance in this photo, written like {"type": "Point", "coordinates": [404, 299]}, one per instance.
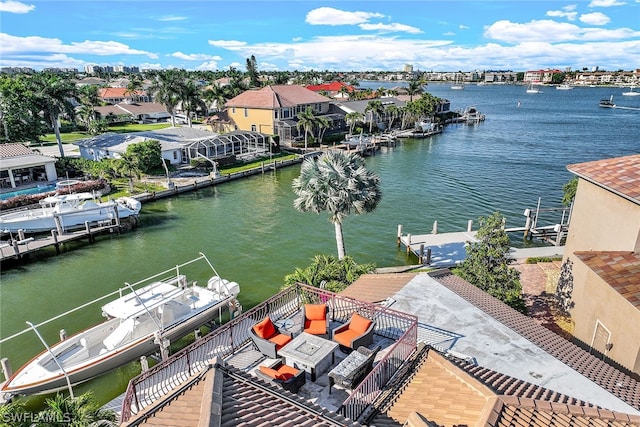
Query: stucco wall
{"type": "Point", "coordinates": [597, 301]}
{"type": "Point", "coordinates": [603, 221]}
{"type": "Point", "coordinates": [262, 119]}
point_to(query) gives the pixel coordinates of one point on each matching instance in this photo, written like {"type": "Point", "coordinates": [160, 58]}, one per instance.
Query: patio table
{"type": "Point", "coordinates": [310, 353]}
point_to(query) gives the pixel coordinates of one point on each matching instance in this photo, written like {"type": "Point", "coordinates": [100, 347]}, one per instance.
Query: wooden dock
{"type": "Point", "coordinates": [437, 249]}
{"type": "Point", "coordinates": [21, 246]}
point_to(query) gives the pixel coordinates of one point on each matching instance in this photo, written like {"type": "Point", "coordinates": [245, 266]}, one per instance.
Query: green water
{"type": "Point", "coordinates": [252, 234]}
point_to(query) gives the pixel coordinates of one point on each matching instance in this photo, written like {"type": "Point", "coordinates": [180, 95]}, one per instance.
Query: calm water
{"type": "Point", "coordinates": [253, 235]}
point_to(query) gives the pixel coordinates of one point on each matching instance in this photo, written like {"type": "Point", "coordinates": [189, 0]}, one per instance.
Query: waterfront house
{"type": "Point", "coordinates": [116, 95]}
{"type": "Point", "coordinates": [19, 165]}
{"type": "Point", "coordinates": [601, 264]}
{"type": "Point", "coordinates": [273, 110]}
{"type": "Point", "coordinates": [179, 145]}
{"type": "Point", "coordinates": [143, 112]}
{"type": "Point", "coordinates": [469, 359]}
{"type": "Point", "coordinates": [336, 90]}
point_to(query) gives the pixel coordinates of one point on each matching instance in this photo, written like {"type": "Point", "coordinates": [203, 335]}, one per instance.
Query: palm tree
{"type": "Point", "coordinates": [345, 91]}
{"type": "Point", "coordinates": [323, 124]}
{"type": "Point", "coordinates": [191, 99]}
{"type": "Point", "coordinates": [352, 118]}
{"type": "Point", "coordinates": [80, 411]}
{"type": "Point", "coordinates": [127, 165]}
{"type": "Point", "coordinates": [416, 87]}
{"type": "Point", "coordinates": [339, 183]}
{"type": "Point", "coordinates": [306, 120]}
{"type": "Point", "coordinates": [214, 95]}
{"type": "Point", "coordinates": [53, 95]}
{"type": "Point", "coordinates": [165, 90]}
{"type": "Point", "coordinates": [135, 84]}
{"type": "Point", "coordinates": [376, 109]}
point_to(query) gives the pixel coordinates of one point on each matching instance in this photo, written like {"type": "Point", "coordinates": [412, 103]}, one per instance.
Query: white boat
{"type": "Point", "coordinates": [564, 87]}
{"type": "Point", "coordinates": [533, 89]}
{"type": "Point", "coordinates": [356, 140]}
{"type": "Point", "coordinates": [138, 323]}
{"type": "Point", "coordinates": [607, 103]}
{"type": "Point", "coordinates": [631, 92]}
{"type": "Point", "coordinates": [471, 115]}
{"type": "Point", "coordinates": [69, 211]}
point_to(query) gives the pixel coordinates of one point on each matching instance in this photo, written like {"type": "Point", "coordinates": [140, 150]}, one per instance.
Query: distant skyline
{"type": "Point", "coordinates": [334, 35]}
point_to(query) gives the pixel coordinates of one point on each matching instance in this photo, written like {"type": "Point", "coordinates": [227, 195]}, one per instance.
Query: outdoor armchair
{"type": "Point", "coordinates": [358, 331]}
{"type": "Point", "coordinates": [353, 368]}
{"type": "Point", "coordinates": [316, 321]}
{"type": "Point", "coordinates": [268, 338]}
{"type": "Point", "coordinates": [287, 377]}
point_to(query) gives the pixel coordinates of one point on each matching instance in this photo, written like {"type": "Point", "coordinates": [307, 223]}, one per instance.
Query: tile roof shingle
{"type": "Point", "coordinates": [14, 150]}
{"type": "Point", "coordinates": [620, 174]}
{"type": "Point", "coordinates": [620, 270]}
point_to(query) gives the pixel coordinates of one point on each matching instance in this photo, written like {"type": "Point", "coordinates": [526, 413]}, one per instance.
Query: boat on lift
{"type": "Point", "coordinates": [138, 323]}
{"type": "Point", "coordinates": [68, 211]}
{"type": "Point", "coordinates": [607, 103]}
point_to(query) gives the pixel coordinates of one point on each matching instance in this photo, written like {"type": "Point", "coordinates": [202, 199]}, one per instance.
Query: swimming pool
{"type": "Point", "coordinates": [34, 190]}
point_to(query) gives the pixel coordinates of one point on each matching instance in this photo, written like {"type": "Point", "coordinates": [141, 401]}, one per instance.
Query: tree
{"type": "Point", "coordinates": [252, 71]}
{"type": "Point", "coordinates": [306, 121]}
{"type": "Point", "coordinates": [53, 95]}
{"type": "Point", "coordinates": [416, 87]}
{"type": "Point", "coordinates": [323, 124]}
{"type": "Point", "coordinates": [190, 99]}
{"type": "Point", "coordinates": [19, 115]}
{"type": "Point", "coordinates": [328, 271]}
{"type": "Point", "coordinates": [569, 191]}
{"type": "Point", "coordinates": [128, 166]}
{"type": "Point", "coordinates": [352, 118]}
{"type": "Point", "coordinates": [165, 90]}
{"type": "Point", "coordinates": [487, 263]}
{"type": "Point", "coordinates": [81, 411]}
{"type": "Point", "coordinates": [376, 109]}
{"type": "Point", "coordinates": [148, 155]}
{"type": "Point", "coordinates": [339, 183]}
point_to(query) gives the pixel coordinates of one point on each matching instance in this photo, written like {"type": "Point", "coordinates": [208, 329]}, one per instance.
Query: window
{"type": "Point", "coordinates": [175, 155]}
{"type": "Point", "coordinates": [246, 112]}
{"type": "Point", "coordinates": [233, 110]}
{"type": "Point", "coordinates": [253, 128]}
{"type": "Point", "coordinates": [601, 337]}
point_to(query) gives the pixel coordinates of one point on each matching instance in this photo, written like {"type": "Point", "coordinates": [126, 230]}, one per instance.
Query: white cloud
{"type": "Point", "coordinates": [552, 32]}
{"type": "Point", "coordinates": [297, 39]}
{"type": "Point", "coordinates": [571, 16]}
{"type": "Point", "coordinates": [595, 18]}
{"type": "Point", "coordinates": [228, 44]}
{"type": "Point", "coordinates": [195, 56]}
{"type": "Point", "coordinates": [449, 33]}
{"type": "Point", "coordinates": [463, 27]}
{"type": "Point", "coordinates": [331, 16]}
{"type": "Point", "coordinates": [15, 7]}
{"type": "Point", "coordinates": [606, 3]}
{"type": "Point", "coordinates": [34, 44]}
{"type": "Point", "coordinates": [390, 28]}
{"type": "Point", "coordinates": [172, 18]}
{"type": "Point", "coordinates": [208, 66]}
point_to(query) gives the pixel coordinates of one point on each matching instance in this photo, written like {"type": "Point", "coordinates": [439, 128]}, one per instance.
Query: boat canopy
{"type": "Point", "coordinates": [147, 298]}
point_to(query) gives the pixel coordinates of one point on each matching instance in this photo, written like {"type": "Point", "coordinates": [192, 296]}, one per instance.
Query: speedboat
{"type": "Point", "coordinates": [631, 92]}
{"type": "Point", "coordinates": [532, 89]}
{"type": "Point", "coordinates": [138, 323]}
{"type": "Point", "coordinates": [564, 87]}
{"type": "Point", "coordinates": [607, 103]}
{"type": "Point", "coordinates": [68, 211]}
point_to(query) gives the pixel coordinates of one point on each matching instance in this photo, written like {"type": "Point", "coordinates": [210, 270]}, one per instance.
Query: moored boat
{"type": "Point", "coordinates": [533, 89]}
{"type": "Point", "coordinates": [137, 324]}
{"type": "Point", "coordinates": [564, 87]}
{"type": "Point", "coordinates": [68, 211]}
{"type": "Point", "coordinates": [631, 92]}
{"type": "Point", "coordinates": [607, 103]}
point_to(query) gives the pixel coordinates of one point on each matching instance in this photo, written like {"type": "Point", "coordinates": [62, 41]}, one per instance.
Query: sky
{"type": "Point", "coordinates": [431, 35]}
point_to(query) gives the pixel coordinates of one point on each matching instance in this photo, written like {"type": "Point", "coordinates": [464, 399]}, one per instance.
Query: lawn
{"type": "Point", "coordinates": [50, 138]}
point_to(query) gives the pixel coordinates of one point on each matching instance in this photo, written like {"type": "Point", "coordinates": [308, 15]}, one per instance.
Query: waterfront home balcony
{"type": "Point", "coordinates": [231, 348]}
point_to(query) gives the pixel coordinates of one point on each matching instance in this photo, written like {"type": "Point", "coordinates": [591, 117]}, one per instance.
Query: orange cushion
{"type": "Point", "coordinates": [315, 327]}
{"type": "Point", "coordinates": [315, 311]}
{"type": "Point", "coordinates": [268, 371]}
{"type": "Point", "coordinates": [280, 340]}
{"type": "Point", "coordinates": [346, 338]}
{"type": "Point", "coordinates": [359, 324]}
{"type": "Point", "coordinates": [286, 372]}
{"type": "Point", "coordinates": [265, 329]}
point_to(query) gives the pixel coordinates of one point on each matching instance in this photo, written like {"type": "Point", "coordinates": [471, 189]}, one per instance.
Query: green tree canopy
{"type": "Point", "coordinates": [329, 272]}
{"type": "Point", "coordinates": [569, 191]}
{"type": "Point", "coordinates": [338, 183]}
{"type": "Point", "coordinates": [487, 263]}
{"type": "Point", "coordinates": [148, 155]}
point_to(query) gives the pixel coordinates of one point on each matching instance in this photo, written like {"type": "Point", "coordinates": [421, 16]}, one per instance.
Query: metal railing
{"type": "Point", "coordinates": [159, 381]}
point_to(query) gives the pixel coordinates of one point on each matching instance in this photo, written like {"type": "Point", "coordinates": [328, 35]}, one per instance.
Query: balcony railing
{"type": "Point", "coordinates": [166, 376]}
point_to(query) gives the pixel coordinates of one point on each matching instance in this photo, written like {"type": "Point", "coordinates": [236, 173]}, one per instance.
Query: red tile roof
{"type": "Point", "coordinates": [278, 96]}
{"type": "Point", "coordinates": [620, 270]}
{"type": "Point", "coordinates": [117, 92]}
{"type": "Point", "coordinates": [14, 150]}
{"type": "Point", "coordinates": [330, 87]}
{"type": "Point", "coordinates": [620, 175]}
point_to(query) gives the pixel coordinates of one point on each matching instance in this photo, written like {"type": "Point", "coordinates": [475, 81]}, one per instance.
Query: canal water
{"type": "Point", "coordinates": [254, 236]}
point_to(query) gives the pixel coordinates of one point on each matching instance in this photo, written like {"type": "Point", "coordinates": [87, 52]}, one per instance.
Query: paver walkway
{"type": "Point", "coordinates": [534, 279]}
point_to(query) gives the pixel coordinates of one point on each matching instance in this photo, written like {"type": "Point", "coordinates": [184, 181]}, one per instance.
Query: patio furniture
{"type": "Point", "coordinates": [311, 353]}
{"type": "Point", "coordinates": [268, 338]}
{"type": "Point", "coordinates": [285, 376]}
{"type": "Point", "coordinates": [358, 331]}
{"type": "Point", "coordinates": [316, 321]}
{"type": "Point", "coordinates": [352, 370]}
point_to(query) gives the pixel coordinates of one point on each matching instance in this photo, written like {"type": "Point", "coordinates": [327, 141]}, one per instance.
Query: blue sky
{"type": "Point", "coordinates": [331, 35]}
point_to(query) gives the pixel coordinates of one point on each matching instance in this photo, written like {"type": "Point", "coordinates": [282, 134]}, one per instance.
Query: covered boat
{"type": "Point", "coordinates": [138, 323]}
{"type": "Point", "coordinates": [68, 211]}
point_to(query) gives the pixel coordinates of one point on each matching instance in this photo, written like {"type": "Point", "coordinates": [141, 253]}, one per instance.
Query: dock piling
{"type": "Point", "coordinates": [399, 237]}
{"type": "Point", "coordinates": [434, 230]}
{"type": "Point", "coordinates": [469, 225]}
{"type": "Point", "coordinates": [408, 243]}
{"type": "Point", "coordinates": [63, 335]}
